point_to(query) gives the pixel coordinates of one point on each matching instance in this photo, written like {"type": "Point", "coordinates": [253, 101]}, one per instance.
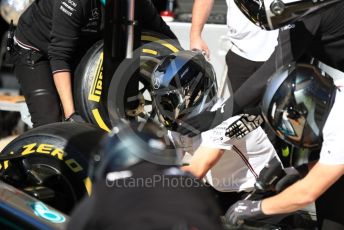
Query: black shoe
{"type": "Point", "coordinates": [75, 117]}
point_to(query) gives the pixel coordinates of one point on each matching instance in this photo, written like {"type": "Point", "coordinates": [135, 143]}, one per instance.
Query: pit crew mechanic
{"type": "Point", "coordinates": [184, 85]}
{"type": "Point", "coordinates": [251, 45]}
{"type": "Point", "coordinates": [316, 36]}
{"type": "Point", "coordinates": [321, 36]}
{"type": "Point", "coordinates": [132, 174]}
{"type": "Point", "coordinates": [50, 38]}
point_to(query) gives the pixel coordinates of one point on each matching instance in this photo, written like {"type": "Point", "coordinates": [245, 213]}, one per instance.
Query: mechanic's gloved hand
{"type": "Point", "coordinates": [244, 210]}
{"type": "Point", "coordinates": [75, 117]}
{"type": "Point", "coordinates": [245, 124]}
{"type": "Point", "coordinates": [292, 175]}
{"type": "Point", "coordinates": [272, 172]}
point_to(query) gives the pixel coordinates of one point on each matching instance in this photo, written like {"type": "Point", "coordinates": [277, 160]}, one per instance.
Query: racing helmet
{"type": "Point", "coordinates": [296, 104]}
{"type": "Point", "coordinates": [183, 85]}
{"type": "Point", "coordinates": [130, 143]}
{"type": "Point", "coordinates": [273, 14]}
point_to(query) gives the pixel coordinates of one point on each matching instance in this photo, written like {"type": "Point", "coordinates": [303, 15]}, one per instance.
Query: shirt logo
{"type": "Point", "coordinates": [288, 27]}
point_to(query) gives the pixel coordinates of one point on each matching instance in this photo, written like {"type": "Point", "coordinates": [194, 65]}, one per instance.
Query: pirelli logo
{"type": "Point", "coordinates": [97, 85]}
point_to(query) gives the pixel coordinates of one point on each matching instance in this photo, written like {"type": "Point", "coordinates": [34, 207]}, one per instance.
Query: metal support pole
{"type": "Point", "coordinates": [122, 35]}
{"type": "Point", "coordinates": [130, 32]}
{"type": "Point", "coordinates": [114, 41]}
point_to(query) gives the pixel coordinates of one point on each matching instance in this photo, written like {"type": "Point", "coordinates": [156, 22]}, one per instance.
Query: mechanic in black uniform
{"type": "Point", "coordinates": [52, 35]}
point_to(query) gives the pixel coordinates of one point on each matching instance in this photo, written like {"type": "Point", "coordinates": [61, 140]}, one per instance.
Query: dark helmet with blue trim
{"type": "Point", "coordinates": [297, 102]}
{"type": "Point", "coordinates": [184, 85]}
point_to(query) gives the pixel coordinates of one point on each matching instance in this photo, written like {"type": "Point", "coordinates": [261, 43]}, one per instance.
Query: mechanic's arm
{"type": "Point", "coordinates": [203, 160]}
{"type": "Point", "coordinates": [305, 191]}
{"type": "Point", "coordinates": [66, 25]}
{"type": "Point", "coordinates": [63, 84]}
{"type": "Point", "coordinates": [200, 13]}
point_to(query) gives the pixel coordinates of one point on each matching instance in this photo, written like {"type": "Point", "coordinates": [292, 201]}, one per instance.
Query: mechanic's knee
{"type": "Point", "coordinates": [44, 109]}
{"type": "Point", "coordinates": [46, 116]}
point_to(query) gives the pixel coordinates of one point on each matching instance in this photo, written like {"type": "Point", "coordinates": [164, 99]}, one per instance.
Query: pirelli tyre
{"type": "Point", "coordinates": [88, 87]}
{"type": "Point", "coordinates": [50, 162]}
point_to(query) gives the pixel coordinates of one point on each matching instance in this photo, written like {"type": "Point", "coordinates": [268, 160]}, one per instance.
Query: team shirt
{"type": "Point", "coordinates": [332, 151]}
{"type": "Point", "coordinates": [249, 41]}
{"type": "Point", "coordinates": [241, 162]}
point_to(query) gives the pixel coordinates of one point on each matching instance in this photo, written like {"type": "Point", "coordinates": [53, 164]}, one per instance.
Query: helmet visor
{"type": "Point", "coordinates": [299, 107]}
{"type": "Point", "coordinates": [254, 10]}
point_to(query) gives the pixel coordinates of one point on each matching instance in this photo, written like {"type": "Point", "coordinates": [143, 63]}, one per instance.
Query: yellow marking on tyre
{"type": "Point", "coordinates": [149, 51]}
{"type": "Point", "coordinates": [59, 152]}
{"type": "Point", "coordinates": [49, 149]}
{"type": "Point", "coordinates": [4, 164]}
{"type": "Point", "coordinates": [28, 149]}
{"type": "Point", "coordinates": [100, 120]}
{"type": "Point", "coordinates": [97, 84]}
{"type": "Point", "coordinates": [161, 42]}
{"type": "Point", "coordinates": [88, 185]}
{"type": "Point", "coordinates": [44, 149]}
{"type": "Point", "coordinates": [73, 165]}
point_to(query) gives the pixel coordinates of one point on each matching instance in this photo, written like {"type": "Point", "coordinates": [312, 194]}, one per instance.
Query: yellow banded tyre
{"type": "Point", "coordinates": [51, 162]}
{"type": "Point", "coordinates": [88, 79]}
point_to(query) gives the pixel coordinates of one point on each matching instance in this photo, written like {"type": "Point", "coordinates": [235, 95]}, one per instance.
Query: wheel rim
{"type": "Point", "coordinates": [28, 174]}
{"type": "Point", "coordinates": [145, 110]}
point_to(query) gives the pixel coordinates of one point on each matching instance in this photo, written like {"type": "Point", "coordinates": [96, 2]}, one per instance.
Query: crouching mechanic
{"type": "Point", "coordinates": [184, 85]}
{"type": "Point", "coordinates": [304, 107]}
{"type": "Point", "coordinates": [138, 185]}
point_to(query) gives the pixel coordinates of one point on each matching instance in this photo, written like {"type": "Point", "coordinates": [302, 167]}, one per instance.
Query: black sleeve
{"type": "Point", "coordinates": [151, 20]}
{"type": "Point", "coordinates": [66, 25]}
{"type": "Point", "coordinates": [292, 44]}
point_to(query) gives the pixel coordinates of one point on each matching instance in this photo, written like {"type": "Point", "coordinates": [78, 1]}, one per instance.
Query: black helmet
{"type": "Point", "coordinates": [296, 104]}
{"type": "Point", "coordinates": [273, 14]}
{"type": "Point", "coordinates": [184, 85]}
{"type": "Point", "coordinates": [130, 143]}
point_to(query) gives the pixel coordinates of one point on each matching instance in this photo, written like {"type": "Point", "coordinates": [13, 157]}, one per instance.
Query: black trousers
{"type": "Point", "coordinates": [239, 69]}
{"type": "Point", "coordinates": [33, 72]}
